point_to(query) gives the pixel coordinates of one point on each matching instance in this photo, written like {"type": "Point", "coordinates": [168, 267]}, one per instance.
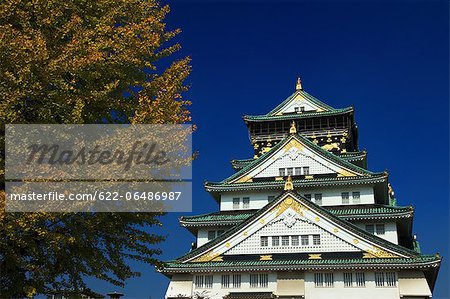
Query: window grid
{"type": "Point", "coordinates": [285, 241]}
{"type": "Point", "coordinates": [225, 281]}
{"type": "Point", "coordinates": [236, 202]}
{"type": "Point", "coordinates": [323, 280]}
{"type": "Point", "coordinates": [316, 240]}
{"type": "Point", "coordinates": [298, 171]}
{"type": "Point", "coordinates": [345, 197]}
{"type": "Point", "coordinates": [198, 281]}
{"type": "Point", "coordinates": [308, 196]}
{"type": "Point", "coordinates": [264, 241]}
{"type": "Point", "coordinates": [360, 279]}
{"type": "Point", "coordinates": [370, 228]}
{"type": "Point", "coordinates": [259, 280]}
{"type": "Point", "coordinates": [294, 241]}
{"type": "Point", "coordinates": [305, 240]}
{"type": "Point", "coordinates": [306, 170]}
{"type": "Point", "coordinates": [289, 171]}
{"type": "Point", "coordinates": [380, 229]}
{"type": "Point", "coordinates": [356, 196]}
{"type": "Point", "coordinates": [211, 235]}
{"type": "Point", "coordinates": [208, 281]}
{"type": "Point", "coordinates": [236, 281]}
{"type": "Point", "coordinates": [246, 202]}
{"type": "Point", "coordinates": [318, 198]}
{"type": "Point", "coordinates": [282, 172]}
{"type": "Point", "coordinates": [348, 279]}
{"type": "Point", "coordinates": [275, 241]}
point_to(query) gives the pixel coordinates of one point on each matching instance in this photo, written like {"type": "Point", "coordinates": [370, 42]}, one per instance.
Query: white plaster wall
{"type": "Point", "coordinates": [180, 284]}
{"type": "Point", "coordinates": [390, 229]}
{"type": "Point", "coordinates": [370, 291]}
{"type": "Point", "coordinates": [257, 199]}
{"type": "Point", "coordinates": [218, 293]}
{"type": "Point", "coordinates": [338, 291]}
{"type": "Point", "coordinates": [330, 197]}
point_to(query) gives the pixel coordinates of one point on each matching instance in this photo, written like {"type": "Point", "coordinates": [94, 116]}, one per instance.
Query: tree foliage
{"type": "Point", "coordinates": [82, 61]}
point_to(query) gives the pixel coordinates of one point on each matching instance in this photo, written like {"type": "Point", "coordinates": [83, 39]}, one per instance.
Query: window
{"type": "Point", "coordinates": [379, 279]}
{"type": "Point", "coordinates": [323, 280]}
{"type": "Point", "coordinates": [360, 279]}
{"type": "Point", "coordinates": [199, 281]}
{"type": "Point", "coordinates": [208, 281]}
{"type": "Point", "coordinates": [316, 240]}
{"type": "Point", "coordinates": [282, 172]}
{"type": "Point", "coordinates": [253, 280]}
{"type": "Point", "coordinates": [369, 228]}
{"type": "Point", "coordinates": [302, 109]}
{"type": "Point", "coordinates": [356, 197]}
{"type": "Point", "coordinates": [318, 279]}
{"type": "Point", "coordinates": [290, 171]}
{"type": "Point", "coordinates": [219, 232]}
{"type": "Point", "coordinates": [236, 281]}
{"type": "Point", "coordinates": [305, 240]}
{"type": "Point", "coordinates": [318, 198]}
{"type": "Point", "coordinates": [345, 197]}
{"type": "Point", "coordinates": [236, 202]}
{"type": "Point", "coordinates": [385, 279]}
{"type": "Point", "coordinates": [285, 241]}
{"type": "Point", "coordinates": [329, 280]}
{"type": "Point", "coordinates": [297, 170]}
{"type": "Point", "coordinates": [259, 280]}
{"type": "Point", "coordinates": [225, 281]}
{"type": "Point", "coordinates": [306, 170]}
{"type": "Point", "coordinates": [246, 202]}
{"type": "Point", "coordinates": [391, 280]}
{"type": "Point", "coordinates": [264, 241]}
{"type": "Point", "coordinates": [308, 196]}
{"type": "Point", "coordinates": [211, 235]}
{"type": "Point", "coordinates": [380, 229]}
{"type": "Point", "coordinates": [296, 109]}
{"type": "Point", "coordinates": [270, 198]}
{"type": "Point", "coordinates": [294, 241]}
{"type": "Point", "coordinates": [263, 280]}
{"type": "Point", "coordinates": [348, 280]}
{"type": "Point", "coordinates": [275, 241]}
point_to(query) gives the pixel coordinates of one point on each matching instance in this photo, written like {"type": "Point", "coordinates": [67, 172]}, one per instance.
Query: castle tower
{"type": "Point", "coordinates": [303, 218]}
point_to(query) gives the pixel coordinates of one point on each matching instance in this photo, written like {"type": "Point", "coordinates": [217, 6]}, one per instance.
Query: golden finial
{"type": "Point", "coordinates": [288, 185]}
{"type": "Point", "coordinates": [298, 86]}
{"type": "Point", "coordinates": [293, 129]}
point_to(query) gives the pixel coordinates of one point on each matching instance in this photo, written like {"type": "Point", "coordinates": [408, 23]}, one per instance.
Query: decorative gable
{"type": "Point", "coordinates": [292, 215]}
{"type": "Point", "coordinates": [300, 103]}
{"type": "Point", "coordinates": [294, 155]}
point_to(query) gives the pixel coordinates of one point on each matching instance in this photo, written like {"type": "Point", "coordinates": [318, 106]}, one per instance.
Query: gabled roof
{"type": "Point", "coordinates": [353, 212]}
{"type": "Point", "coordinates": [348, 156]}
{"type": "Point", "coordinates": [373, 245]}
{"type": "Point", "coordinates": [296, 141]}
{"type": "Point", "coordinates": [279, 112]}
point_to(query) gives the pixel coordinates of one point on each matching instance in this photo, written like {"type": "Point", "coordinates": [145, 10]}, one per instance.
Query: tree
{"type": "Point", "coordinates": [81, 61]}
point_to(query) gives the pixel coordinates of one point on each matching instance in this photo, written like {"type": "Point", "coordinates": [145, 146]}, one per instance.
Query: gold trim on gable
{"type": "Point", "coordinates": [207, 257]}
{"type": "Point", "coordinates": [381, 253]}
{"type": "Point", "coordinates": [287, 203]}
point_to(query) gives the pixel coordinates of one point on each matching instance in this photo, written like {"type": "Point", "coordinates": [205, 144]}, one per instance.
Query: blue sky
{"type": "Point", "coordinates": [387, 59]}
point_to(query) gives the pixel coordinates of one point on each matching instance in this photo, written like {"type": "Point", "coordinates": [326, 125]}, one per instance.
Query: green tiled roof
{"type": "Point", "coordinates": [305, 264]}
{"type": "Point", "coordinates": [344, 212]}
{"type": "Point", "coordinates": [278, 185]}
{"type": "Point", "coordinates": [295, 115]}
